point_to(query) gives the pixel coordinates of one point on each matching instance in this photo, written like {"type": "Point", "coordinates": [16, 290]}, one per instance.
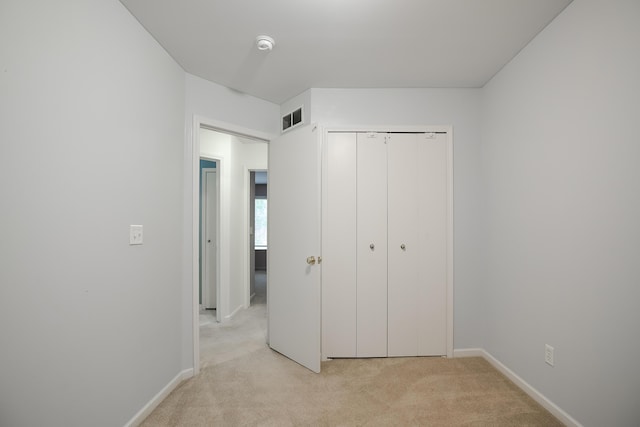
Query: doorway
{"type": "Point", "coordinates": [258, 245]}
{"type": "Point", "coordinates": [236, 151]}
{"type": "Point", "coordinates": [209, 202]}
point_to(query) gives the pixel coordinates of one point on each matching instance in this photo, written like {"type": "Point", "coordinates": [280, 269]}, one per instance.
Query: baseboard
{"type": "Point", "coordinates": [469, 352]}
{"type": "Point", "coordinates": [233, 313]}
{"type": "Point", "coordinates": [522, 384]}
{"type": "Point", "coordinates": [162, 394]}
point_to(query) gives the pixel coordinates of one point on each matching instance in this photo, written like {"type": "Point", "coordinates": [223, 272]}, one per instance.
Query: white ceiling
{"type": "Point", "coordinates": [343, 43]}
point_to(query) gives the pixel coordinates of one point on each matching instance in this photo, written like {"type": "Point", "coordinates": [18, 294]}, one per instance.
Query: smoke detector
{"type": "Point", "coordinates": [265, 42]}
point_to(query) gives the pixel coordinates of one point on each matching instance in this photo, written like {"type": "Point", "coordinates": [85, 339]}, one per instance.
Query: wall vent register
{"type": "Point", "coordinates": [291, 120]}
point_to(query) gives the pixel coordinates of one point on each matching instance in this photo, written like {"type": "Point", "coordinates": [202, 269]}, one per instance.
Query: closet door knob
{"type": "Point", "coordinates": [403, 247]}
{"type": "Point", "coordinates": [372, 246]}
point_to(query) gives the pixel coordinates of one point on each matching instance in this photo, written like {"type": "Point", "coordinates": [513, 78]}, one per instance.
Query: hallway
{"type": "Point", "coordinates": [245, 333]}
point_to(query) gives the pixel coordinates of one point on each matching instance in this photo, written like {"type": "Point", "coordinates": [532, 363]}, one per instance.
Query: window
{"type": "Point", "coordinates": [261, 223]}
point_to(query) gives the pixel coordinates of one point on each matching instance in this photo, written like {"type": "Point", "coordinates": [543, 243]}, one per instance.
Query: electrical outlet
{"type": "Point", "coordinates": [548, 354]}
{"type": "Point", "coordinates": [135, 235]}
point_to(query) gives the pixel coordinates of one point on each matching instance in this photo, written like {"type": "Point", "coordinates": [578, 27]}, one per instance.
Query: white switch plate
{"type": "Point", "coordinates": [135, 234]}
{"type": "Point", "coordinates": [548, 354]}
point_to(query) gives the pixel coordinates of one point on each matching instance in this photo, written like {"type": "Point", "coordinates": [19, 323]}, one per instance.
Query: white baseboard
{"type": "Point", "coordinates": [524, 386]}
{"type": "Point", "coordinates": [233, 313]}
{"type": "Point", "coordinates": [162, 394]}
{"type": "Point", "coordinates": [469, 352]}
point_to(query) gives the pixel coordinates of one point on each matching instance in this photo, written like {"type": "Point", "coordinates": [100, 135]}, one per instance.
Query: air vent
{"type": "Point", "coordinates": [292, 119]}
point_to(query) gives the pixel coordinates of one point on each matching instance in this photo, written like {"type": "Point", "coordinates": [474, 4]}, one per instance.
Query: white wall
{"type": "Point", "coordinates": [213, 101]}
{"type": "Point", "coordinates": [248, 155]}
{"type": "Point", "coordinates": [457, 107]}
{"type": "Point", "coordinates": [221, 104]}
{"type": "Point", "coordinates": [238, 156]}
{"type": "Point", "coordinates": [91, 141]}
{"type": "Point", "coordinates": [217, 146]}
{"type": "Point", "coordinates": [560, 164]}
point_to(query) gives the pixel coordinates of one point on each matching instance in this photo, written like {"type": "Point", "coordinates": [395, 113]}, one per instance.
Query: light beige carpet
{"type": "Point", "coordinates": [244, 383]}
{"type": "Point", "coordinates": [265, 388]}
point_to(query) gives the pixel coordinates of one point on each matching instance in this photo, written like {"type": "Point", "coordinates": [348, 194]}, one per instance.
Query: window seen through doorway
{"type": "Point", "coordinates": [261, 223]}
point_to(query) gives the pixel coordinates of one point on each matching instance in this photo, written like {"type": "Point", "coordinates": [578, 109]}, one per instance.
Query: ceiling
{"type": "Point", "coordinates": [343, 43]}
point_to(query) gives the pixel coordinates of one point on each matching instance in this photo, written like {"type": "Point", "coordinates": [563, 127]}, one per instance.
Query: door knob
{"type": "Point", "coordinates": [403, 247]}
{"type": "Point", "coordinates": [372, 246]}
{"type": "Point", "coordinates": [311, 260]}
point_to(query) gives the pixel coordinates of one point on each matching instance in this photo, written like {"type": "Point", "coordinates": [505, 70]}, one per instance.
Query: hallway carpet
{"type": "Point", "coordinates": [244, 383]}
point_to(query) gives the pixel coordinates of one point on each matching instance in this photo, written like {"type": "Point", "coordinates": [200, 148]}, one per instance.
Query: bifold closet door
{"type": "Point", "coordinates": [339, 246]}
{"type": "Point", "coordinates": [404, 250]}
{"type": "Point", "coordinates": [432, 232]}
{"type": "Point", "coordinates": [417, 244]}
{"type": "Point", "coordinates": [371, 307]}
{"type": "Point", "coordinates": [384, 243]}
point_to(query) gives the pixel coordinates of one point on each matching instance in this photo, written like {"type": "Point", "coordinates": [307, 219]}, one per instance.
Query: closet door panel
{"type": "Point", "coordinates": [432, 339]}
{"type": "Point", "coordinates": [371, 240]}
{"type": "Point", "coordinates": [404, 247]}
{"type": "Point", "coordinates": [339, 246]}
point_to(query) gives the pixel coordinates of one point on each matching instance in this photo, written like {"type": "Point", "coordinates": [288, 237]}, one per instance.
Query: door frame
{"type": "Point", "coordinates": [223, 221]}
{"type": "Point", "coordinates": [247, 235]}
{"type": "Point", "coordinates": [448, 129]}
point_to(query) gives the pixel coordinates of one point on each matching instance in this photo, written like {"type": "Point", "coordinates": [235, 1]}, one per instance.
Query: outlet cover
{"type": "Point", "coordinates": [548, 354]}
{"type": "Point", "coordinates": [135, 235]}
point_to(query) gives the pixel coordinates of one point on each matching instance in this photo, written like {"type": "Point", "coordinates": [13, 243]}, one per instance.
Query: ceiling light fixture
{"type": "Point", "coordinates": [265, 43]}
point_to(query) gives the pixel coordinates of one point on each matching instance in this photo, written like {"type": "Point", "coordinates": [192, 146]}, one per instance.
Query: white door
{"type": "Point", "coordinates": [293, 294]}
{"type": "Point", "coordinates": [432, 338]}
{"type": "Point", "coordinates": [371, 307]}
{"type": "Point", "coordinates": [209, 237]}
{"type": "Point", "coordinates": [339, 245]}
{"type": "Point", "coordinates": [404, 249]}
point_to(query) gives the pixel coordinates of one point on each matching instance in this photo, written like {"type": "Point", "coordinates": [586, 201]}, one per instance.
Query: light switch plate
{"type": "Point", "coordinates": [135, 234]}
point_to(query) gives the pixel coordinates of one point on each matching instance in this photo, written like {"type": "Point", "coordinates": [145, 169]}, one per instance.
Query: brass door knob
{"type": "Point", "coordinates": [311, 260]}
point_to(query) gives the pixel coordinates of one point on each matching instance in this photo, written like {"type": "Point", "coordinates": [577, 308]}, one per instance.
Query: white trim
{"type": "Point", "coordinates": [469, 352]}
{"type": "Point", "coordinates": [448, 129]}
{"type": "Point", "coordinates": [246, 236]}
{"type": "Point", "coordinates": [232, 129]}
{"type": "Point", "coordinates": [450, 231]}
{"type": "Point", "coordinates": [158, 398]}
{"type": "Point", "coordinates": [522, 384]}
{"type": "Point", "coordinates": [223, 221]}
{"type": "Point", "coordinates": [390, 128]}
{"type": "Point", "coordinates": [233, 313]}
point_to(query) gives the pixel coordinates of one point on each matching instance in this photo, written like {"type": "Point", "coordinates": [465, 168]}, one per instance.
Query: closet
{"type": "Point", "coordinates": [384, 244]}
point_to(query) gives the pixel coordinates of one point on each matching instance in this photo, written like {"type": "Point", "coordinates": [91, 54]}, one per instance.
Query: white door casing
{"type": "Point", "coordinates": [294, 236]}
{"type": "Point", "coordinates": [199, 123]}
